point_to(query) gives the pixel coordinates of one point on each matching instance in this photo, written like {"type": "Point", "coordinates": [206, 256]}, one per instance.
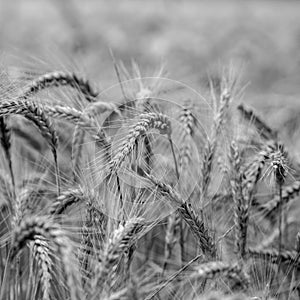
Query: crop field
{"type": "Point", "coordinates": [149, 150]}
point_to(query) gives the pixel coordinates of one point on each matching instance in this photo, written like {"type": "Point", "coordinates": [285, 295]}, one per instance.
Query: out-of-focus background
{"type": "Point", "coordinates": [193, 38]}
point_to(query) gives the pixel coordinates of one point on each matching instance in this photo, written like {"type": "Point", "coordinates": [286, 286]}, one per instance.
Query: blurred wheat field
{"type": "Point", "coordinates": [149, 150]}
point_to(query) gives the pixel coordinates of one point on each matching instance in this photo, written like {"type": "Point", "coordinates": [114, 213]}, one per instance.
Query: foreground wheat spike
{"type": "Point", "coordinates": [33, 227]}
{"type": "Point", "coordinates": [278, 160]}
{"type": "Point", "coordinates": [264, 130]}
{"type": "Point", "coordinates": [6, 191]}
{"type": "Point", "coordinates": [101, 107]}
{"type": "Point", "coordinates": [5, 139]}
{"type": "Point", "coordinates": [188, 122]}
{"type": "Point", "coordinates": [240, 209]}
{"type": "Point", "coordinates": [222, 296]}
{"type": "Point", "coordinates": [186, 211]}
{"type": "Point", "coordinates": [187, 119]}
{"type": "Point", "coordinates": [77, 144]}
{"type": "Point", "coordinates": [66, 199]}
{"type": "Point", "coordinates": [290, 257]}
{"type": "Point", "coordinates": [91, 111]}
{"type": "Point", "coordinates": [77, 117]}
{"type": "Point", "coordinates": [41, 253]}
{"type": "Point", "coordinates": [250, 177]}
{"type": "Point", "coordinates": [39, 118]}
{"type": "Point", "coordinates": [60, 78]}
{"type": "Point", "coordinates": [211, 144]}
{"type": "Point", "coordinates": [145, 123]}
{"type": "Point", "coordinates": [93, 234]}
{"type": "Point", "coordinates": [171, 238]}
{"type": "Point", "coordinates": [214, 269]}
{"type": "Point", "coordinates": [253, 171]}
{"type": "Point", "coordinates": [121, 240]}
{"type": "Point", "coordinates": [20, 207]}
{"type": "Point", "coordinates": [270, 208]}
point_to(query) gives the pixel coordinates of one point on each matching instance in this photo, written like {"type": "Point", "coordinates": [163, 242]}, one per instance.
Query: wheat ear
{"type": "Point", "coordinates": [120, 242]}
{"type": "Point", "coordinates": [250, 176]}
{"type": "Point", "coordinates": [77, 117]}
{"type": "Point", "coordinates": [6, 145]}
{"type": "Point", "coordinates": [31, 227]}
{"type": "Point", "coordinates": [66, 199]}
{"type": "Point", "coordinates": [187, 119]}
{"type": "Point", "coordinates": [186, 211]}
{"type": "Point", "coordinates": [289, 257]}
{"type": "Point", "coordinates": [145, 123]}
{"type": "Point", "coordinates": [57, 79]}
{"type": "Point", "coordinates": [41, 253]}
{"type": "Point", "coordinates": [240, 207]}
{"type": "Point", "coordinates": [39, 118]}
{"type": "Point", "coordinates": [249, 114]}
{"type": "Point", "coordinates": [91, 111]}
{"type": "Point", "coordinates": [77, 143]}
{"type": "Point", "coordinates": [211, 270]}
{"type": "Point", "coordinates": [271, 207]}
{"type": "Point", "coordinates": [171, 237]}
{"type": "Point", "coordinates": [211, 144]}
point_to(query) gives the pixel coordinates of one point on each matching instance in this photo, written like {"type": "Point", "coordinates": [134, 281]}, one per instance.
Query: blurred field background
{"type": "Point", "coordinates": [193, 38]}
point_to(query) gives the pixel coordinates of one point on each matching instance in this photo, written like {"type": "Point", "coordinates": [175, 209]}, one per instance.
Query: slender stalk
{"type": "Point", "coordinates": [172, 277]}
{"type": "Point", "coordinates": [174, 156]}
{"type": "Point", "coordinates": [280, 220]}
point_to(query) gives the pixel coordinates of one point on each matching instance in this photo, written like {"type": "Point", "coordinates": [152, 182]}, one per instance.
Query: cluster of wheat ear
{"type": "Point", "coordinates": [143, 198]}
